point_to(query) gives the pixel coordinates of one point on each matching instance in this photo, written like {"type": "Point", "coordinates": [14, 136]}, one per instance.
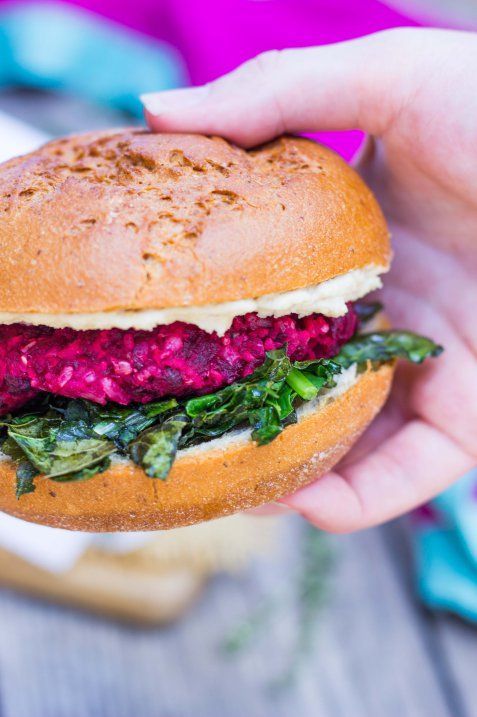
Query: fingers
{"type": "Point", "coordinates": [276, 92]}
{"type": "Point", "coordinates": [359, 84]}
{"type": "Point", "coordinates": [442, 392]}
{"type": "Point", "coordinates": [408, 469]}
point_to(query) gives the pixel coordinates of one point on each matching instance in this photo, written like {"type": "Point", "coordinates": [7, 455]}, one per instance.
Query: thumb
{"type": "Point", "coordinates": [360, 84]}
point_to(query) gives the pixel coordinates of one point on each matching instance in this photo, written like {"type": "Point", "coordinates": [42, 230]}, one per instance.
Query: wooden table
{"type": "Point", "coordinates": [375, 652]}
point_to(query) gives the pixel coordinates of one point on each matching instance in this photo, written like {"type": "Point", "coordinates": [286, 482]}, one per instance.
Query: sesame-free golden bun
{"type": "Point", "coordinates": [127, 219]}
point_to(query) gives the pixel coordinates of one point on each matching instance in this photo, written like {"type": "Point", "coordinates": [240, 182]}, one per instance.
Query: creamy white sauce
{"type": "Point", "coordinates": [328, 298]}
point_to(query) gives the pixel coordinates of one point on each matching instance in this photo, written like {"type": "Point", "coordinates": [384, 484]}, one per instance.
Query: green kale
{"type": "Point", "coordinates": [155, 449]}
{"type": "Point", "coordinates": [26, 474]}
{"type": "Point", "coordinates": [121, 424]}
{"type": "Point", "coordinates": [83, 473]}
{"type": "Point", "coordinates": [302, 384]}
{"type": "Point", "coordinates": [57, 452]}
{"type": "Point", "coordinates": [213, 415]}
{"type": "Point", "coordinates": [26, 471]}
{"type": "Point", "coordinates": [72, 440]}
{"type": "Point", "coordinates": [265, 400]}
{"type": "Point", "coordinates": [385, 346]}
{"type": "Point", "coordinates": [266, 425]}
{"type": "Point", "coordinates": [60, 449]}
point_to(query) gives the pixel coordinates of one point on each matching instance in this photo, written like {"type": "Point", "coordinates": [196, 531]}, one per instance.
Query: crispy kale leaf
{"type": "Point", "coordinates": [265, 400]}
{"type": "Point", "coordinates": [71, 440]}
{"type": "Point", "coordinates": [387, 345]}
{"type": "Point", "coordinates": [26, 474]}
{"type": "Point", "coordinates": [213, 415]}
{"type": "Point", "coordinates": [120, 424]}
{"type": "Point", "coordinates": [59, 448]}
{"type": "Point", "coordinates": [156, 448]}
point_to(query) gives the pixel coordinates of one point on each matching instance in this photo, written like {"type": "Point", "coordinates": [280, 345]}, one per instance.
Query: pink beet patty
{"type": "Point", "coordinates": [140, 366]}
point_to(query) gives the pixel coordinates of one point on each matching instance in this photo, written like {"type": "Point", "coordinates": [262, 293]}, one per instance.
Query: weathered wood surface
{"type": "Point", "coordinates": [376, 652]}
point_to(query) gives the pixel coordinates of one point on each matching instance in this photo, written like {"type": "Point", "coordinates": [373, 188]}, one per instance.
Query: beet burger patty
{"type": "Point", "coordinates": [128, 366]}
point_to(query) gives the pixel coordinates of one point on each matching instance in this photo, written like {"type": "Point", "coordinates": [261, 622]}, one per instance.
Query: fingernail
{"type": "Point", "coordinates": [158, 103]}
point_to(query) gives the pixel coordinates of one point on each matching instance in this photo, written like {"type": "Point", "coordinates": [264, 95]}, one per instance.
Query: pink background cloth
{"type": "Point", "coordinates": [214, 36]}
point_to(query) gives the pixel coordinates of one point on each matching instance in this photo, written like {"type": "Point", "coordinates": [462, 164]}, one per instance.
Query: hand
{"type": "Point", "coordinates": [413, 92]}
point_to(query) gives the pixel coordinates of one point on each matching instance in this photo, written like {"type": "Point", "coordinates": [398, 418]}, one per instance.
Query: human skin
{"type": "Point", "coordinates": [413, 92]}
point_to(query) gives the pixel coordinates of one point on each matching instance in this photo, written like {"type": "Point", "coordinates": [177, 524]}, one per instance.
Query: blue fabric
{"type": "Point", "coordinates": [62, 48]}
{"type": "Point", "coordinates": [445, 548]}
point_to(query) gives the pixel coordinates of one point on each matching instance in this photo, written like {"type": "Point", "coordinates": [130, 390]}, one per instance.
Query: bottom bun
{"type": "Point", "coordinates": [212, 480]}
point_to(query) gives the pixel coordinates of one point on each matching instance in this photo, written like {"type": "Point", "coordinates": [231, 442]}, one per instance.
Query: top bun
{"type": "Point", "coordinates": [126, 219]}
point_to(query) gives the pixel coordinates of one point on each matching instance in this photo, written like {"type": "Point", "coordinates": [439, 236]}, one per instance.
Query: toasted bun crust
{"type": "Point", "coordinates": [211, 482]}
{"type": "Point", "coordinates": [127, 219]}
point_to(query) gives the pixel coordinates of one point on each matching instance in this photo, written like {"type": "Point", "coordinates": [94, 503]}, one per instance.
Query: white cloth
{"type": "Point", "coordinates": [17, 137]}
{"type": "Point", "coordinates": [49, 548]}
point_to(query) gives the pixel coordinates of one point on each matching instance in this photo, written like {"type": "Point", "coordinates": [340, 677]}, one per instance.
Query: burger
{"type": "Point", "coordinates": [182, 327]}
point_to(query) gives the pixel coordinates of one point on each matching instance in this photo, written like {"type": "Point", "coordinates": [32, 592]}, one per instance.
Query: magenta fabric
{"type": "Point", "coordinates": [214, 36]}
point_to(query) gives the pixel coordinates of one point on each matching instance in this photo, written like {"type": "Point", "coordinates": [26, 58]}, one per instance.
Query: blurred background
{"type": "Point", "coordinates": [245, 616]}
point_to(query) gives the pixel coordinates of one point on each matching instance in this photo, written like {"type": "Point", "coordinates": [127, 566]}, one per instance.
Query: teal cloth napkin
{"type": "Point", "coordinates": [63, 48]}
{"type": "Point", "coordinates": [445, 549]}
